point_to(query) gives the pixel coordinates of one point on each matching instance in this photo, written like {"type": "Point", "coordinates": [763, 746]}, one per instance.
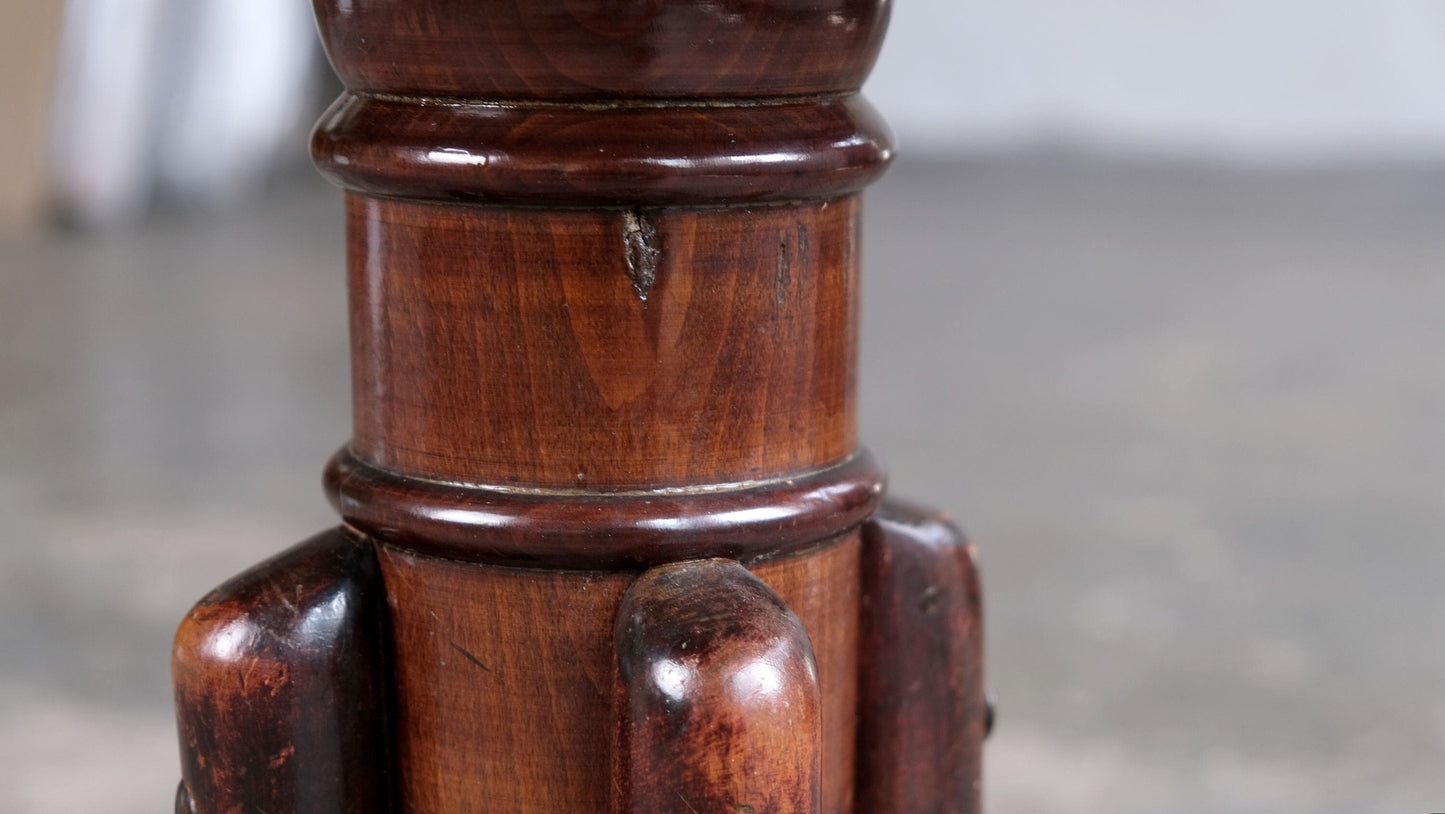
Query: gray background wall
{"type": "Point", "coordinates": [1253, 80]}
{"type": "Point", "coordinates": [145, 89]}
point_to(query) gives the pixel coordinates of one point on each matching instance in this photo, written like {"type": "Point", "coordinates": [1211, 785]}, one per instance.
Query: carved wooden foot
{"type": "Point", "coordinates": [718, 700]}
{"type": "Point", "coordinates": [922, 713]}
{"type": "Point", "coordinates": [282, 685]}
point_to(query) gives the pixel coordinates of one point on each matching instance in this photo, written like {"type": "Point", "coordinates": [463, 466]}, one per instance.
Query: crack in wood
{"type": "Point", "coordinates": [639, 236]}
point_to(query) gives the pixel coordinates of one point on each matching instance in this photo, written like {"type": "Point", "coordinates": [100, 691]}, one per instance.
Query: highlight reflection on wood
{"type": "Point", "coordinates": [609, 542]}
{"type": "Point", "coordinates": [717, 700]}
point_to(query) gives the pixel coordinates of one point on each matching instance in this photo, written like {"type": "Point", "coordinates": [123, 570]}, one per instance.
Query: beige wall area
{"type": "Point", "coordinates": [29, 44]}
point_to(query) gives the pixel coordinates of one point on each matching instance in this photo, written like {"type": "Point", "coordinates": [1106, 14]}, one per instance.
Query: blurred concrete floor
{"type": "Point", "coordinates": [1193, 417]}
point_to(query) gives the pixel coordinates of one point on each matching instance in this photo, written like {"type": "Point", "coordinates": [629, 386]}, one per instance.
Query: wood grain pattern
{"type": "Point", "coordinates": [717, 701]}
{"type": "Point", "coordinates": [281, 687]}
{"type": "Point", "coordinates": [505, 678]}
{"type": "Point", "coordinates": [922, 713]}
{"type": "Point", "coordinates": [822, 588]}
{"type": "Point", "coordinates": [568, 50]}
{"type": "Point", "coordinates": [603, 349]}
{"type": "Point", "coordinates": [603, 276]}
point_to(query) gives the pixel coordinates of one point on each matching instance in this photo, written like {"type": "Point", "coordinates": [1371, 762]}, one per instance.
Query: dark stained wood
{"type": "Point", "coordinates": [615, 156]}
{"type": "Point", "coordinates": [822, 588]}
{"type": "Point", "coordinates": [503, 684]}
{"type": "Point", "coordinates": [504, 678]}
{"type": "Point", "coordinates": [628, 49]}
{"type": "Point", "coordinates": [603, 349]}
{"type": "Point", "coordinates": [922, 711]}
{"type": "Point", "coordinates": [281, 687]}
{"type": "Point", "coordinates": [717, 700]}
{"type": "Point", "coordinates": [604, 293]}
{"type": "Point", "coordinates": [549, 528]}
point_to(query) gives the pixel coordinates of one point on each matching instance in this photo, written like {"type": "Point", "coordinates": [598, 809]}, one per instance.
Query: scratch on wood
{"type": "Point", "coordinates": [803, 245]}
{"type": "Point", "coordinates": [784, 276]}
{"type": "Point", "coordinates": [281, 757]}
{"type": "Point", "coordinates": [639, 236]}
{"type": "Point", "coordinates": [686, 803]}
{"type": "Point", "coordinates": [469, 657]}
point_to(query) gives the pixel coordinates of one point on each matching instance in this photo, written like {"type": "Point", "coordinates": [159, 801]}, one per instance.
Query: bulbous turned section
{"type": "Point", "coordinates": [718, 699]}
{"type": "Point", "coordinates": [575, 50]}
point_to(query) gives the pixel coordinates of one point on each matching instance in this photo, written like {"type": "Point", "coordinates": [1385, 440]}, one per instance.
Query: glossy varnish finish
{"type": "Point", "coordinates": [551, 528]}
{"type": "Point", "coordinates": [505, 678]}
{"type": "Point", "coordinates": [922, 713]}
{"type": "Point", "coordinates": [557, 50]}
{"type": "Point", "coordinates": [281, 686]}
{"type": "Point", "coordinates": [604, 469]}
{"type": "Point", "coordinates": [717, 698]}
{"type": "Point", "coordinates": [607, 156]}
{"type": "Point", "coordinates": [603, 349]}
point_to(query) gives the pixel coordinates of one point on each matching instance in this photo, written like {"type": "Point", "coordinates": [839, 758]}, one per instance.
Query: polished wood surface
{"type": "Point", "coordinates": [922, 714]}
{"type": "Point", "coordinates": [281, 686]}
{"type": "Point", "coordinates": [603, 349]}
{"type": "Point", "coordinates": [565, 50]}
{"type": "Point", "coordinates": [717, 700]}
{"type": "Point", "coordinates": [603, 270]}
{"type": "Point", "coordinates": [551, 528]}
{"type": "Point", "coordinates": [504, 677]}
{"type": "Point", "coordinates": [602, 156]}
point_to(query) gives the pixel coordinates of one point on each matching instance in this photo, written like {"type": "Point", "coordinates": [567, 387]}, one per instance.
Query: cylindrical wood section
{"type": "Point", "coordinates": [604, 310]}
{"type": "Point", "coordinates": [511, 352]}
{"type": "Point", "coordinates": [610, 545]}
{"type": "Point", "coordinates": [603, 349]}
{"type": "Point", "coordinates": [504, 678]}
{"type": "Point", "coordinates": [579, 51]}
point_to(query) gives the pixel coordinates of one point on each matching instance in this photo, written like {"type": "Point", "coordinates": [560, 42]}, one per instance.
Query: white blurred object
{"type": "Point", "coordinates": [104, 94]}
{"type": "Point", "coordinates": [191, 99]}
{"type": "Point", "coordinates": [240, 92]}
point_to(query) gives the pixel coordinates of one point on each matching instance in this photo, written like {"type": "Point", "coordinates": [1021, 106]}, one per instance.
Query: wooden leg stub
{"type": "Point", "coordinates": [717, 697]}
{"type": "Point", "coordinates": [922, 712]}
{"type": "Point", "coordinates": [281, 684]}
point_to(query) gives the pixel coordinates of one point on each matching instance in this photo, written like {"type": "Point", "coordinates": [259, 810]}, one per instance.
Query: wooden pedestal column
{"type": "Point", "coordinates": [609, 541]}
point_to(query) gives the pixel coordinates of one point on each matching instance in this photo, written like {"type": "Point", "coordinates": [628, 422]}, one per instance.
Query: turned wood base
{"type": "Point", "coordinates": [609, 542]}
{"type": "Point", "coordinates": [350, 675]}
